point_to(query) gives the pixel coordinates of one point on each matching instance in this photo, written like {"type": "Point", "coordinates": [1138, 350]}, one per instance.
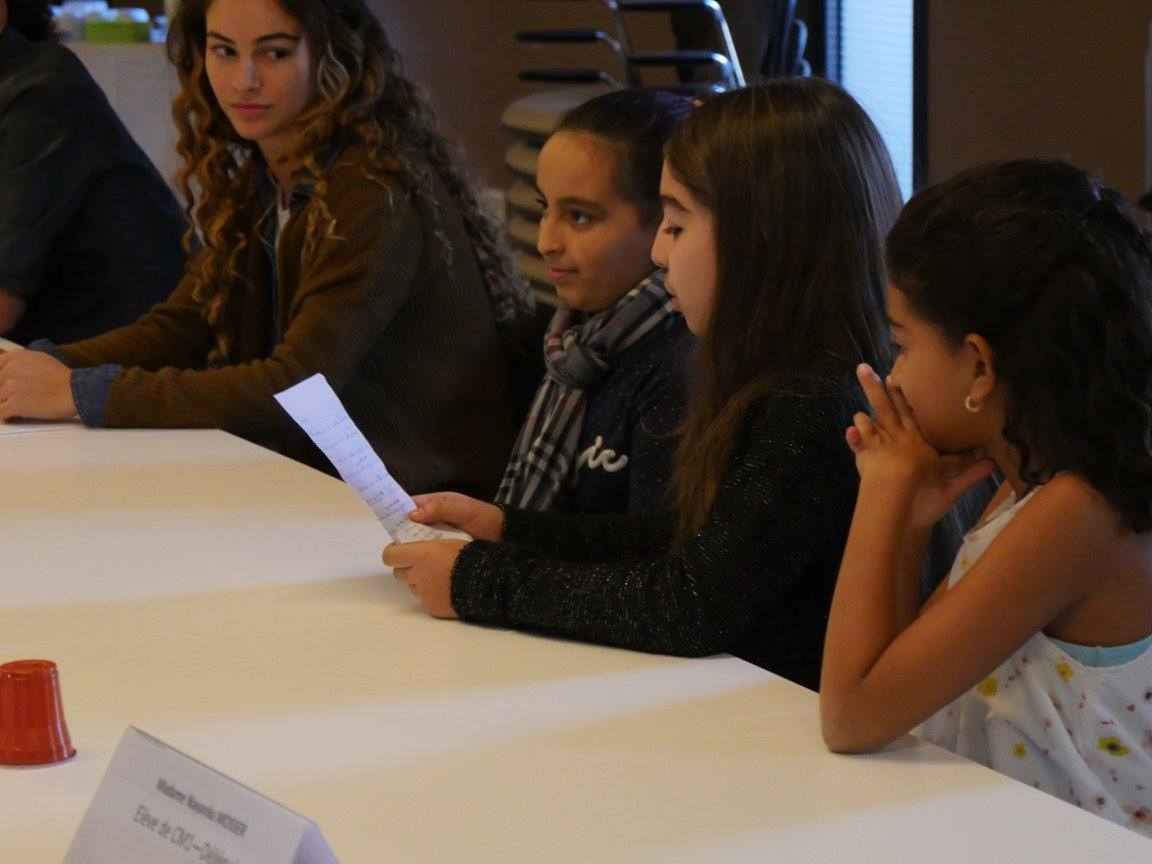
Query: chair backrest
{"type": "Point", "coordinates": [723, 59]}
{"type": "Point", "coordinates": [612, 35]}
{"type": "Point", "coordinates": [787, 40]}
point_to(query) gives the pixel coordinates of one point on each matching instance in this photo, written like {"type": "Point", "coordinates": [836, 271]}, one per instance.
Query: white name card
{"type": "Point", "coordinates": [157, 805]}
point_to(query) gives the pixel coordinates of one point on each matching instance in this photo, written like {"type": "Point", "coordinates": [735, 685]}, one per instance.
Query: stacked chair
{"type": "Point", "coordinates": [787, 40]}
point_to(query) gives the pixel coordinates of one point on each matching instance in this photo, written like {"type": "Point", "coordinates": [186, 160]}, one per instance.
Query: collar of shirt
{"type": "Point", "coordinates": [267, 192]}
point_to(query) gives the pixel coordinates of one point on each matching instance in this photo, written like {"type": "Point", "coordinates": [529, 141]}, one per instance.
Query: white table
{"type": "Point", "coordinates": [232, 603]}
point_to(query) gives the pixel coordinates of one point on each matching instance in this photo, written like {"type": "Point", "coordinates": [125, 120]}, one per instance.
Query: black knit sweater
{"type": "Point", "coordinates": [755, 580]}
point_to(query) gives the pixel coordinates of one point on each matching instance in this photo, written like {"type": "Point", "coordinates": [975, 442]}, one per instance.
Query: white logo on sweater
{"type": "Point", "coordinates": [594, 457]}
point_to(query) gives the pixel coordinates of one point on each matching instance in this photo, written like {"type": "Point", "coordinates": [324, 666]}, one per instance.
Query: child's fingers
{"type": "Point", "coordinates": [866, 430]}
{"type": "Point", "coordinates": [401, 555]}
{"type": "Point", "coordinates": [903, 409]}
{"type": "Point", "coordinates": [430, 508]}
{"type": "Point", "coordinates": [447, 507]}
{"type": "Point", "coordinates": [955, 485]}
{"type": "Point", "coordinates": [952, 465]}
{"type": "Point", "coordinates": [852, 436]}
{"type": "Point", "coordinates": [394, 556]}
{"type": "Point", "coordinates": [878, 398]}
{"type": "Point", "coordinates": [955, 463]}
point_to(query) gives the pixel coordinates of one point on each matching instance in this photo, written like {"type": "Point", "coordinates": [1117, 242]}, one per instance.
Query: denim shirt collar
{"type": "Point", "coordinates": [302, 192]}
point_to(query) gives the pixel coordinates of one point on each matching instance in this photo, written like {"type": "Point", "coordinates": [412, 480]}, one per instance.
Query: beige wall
{"type": "Point", "coordinates": [1006, 77]}
{"type": "Point", "coordinates": [1060, 78]}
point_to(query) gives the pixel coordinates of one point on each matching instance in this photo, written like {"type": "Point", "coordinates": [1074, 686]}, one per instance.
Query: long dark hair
{"type": "Point", "coordinates": [362, 96]}
{"type": "Point", "coordinates": [639, 123]}
{"type": "Point", "coordinates": [1049, 265]}
{"type": "Point", "coordinates": [802, 191]}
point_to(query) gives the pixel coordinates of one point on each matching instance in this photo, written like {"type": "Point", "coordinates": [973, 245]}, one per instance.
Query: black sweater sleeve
{"type": "Point", "coordinates": [587, 537]}
{"type": "Point", "coordinates": [786, 499]}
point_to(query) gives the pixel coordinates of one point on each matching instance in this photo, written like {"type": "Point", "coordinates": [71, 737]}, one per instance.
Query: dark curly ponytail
{"type": "Point", "coordinates": [1049, 265]}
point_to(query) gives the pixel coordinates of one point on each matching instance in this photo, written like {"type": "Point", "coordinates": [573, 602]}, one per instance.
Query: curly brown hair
{"type": "Point", "coordinates": [362, 96]}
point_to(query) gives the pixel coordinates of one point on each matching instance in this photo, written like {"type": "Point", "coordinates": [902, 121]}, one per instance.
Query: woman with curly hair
{"type": "Point", "coordinates": [1021, 304]}
{"type": "Point", "coordinates": [339, 236]}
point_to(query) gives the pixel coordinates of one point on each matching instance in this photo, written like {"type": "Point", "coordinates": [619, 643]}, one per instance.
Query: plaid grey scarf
{"type": "Point", "coordinates": [577, 357]}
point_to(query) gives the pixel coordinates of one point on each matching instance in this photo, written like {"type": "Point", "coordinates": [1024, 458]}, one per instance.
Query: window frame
{"type": "Point", "coordinates": [827, 16]}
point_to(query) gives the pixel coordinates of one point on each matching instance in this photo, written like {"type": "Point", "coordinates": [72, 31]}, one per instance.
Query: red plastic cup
{"type": "Point", "coordinates": [32, 728]}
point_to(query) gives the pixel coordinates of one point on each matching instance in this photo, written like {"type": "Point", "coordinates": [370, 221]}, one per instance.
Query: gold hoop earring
{"type": "Point", "coordinates": [972, 405]}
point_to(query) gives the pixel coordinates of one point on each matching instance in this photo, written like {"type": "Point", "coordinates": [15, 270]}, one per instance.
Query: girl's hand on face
{"type": "Point", "coordinates": [35, 386]}
{"type": "Point", "coordinates": [426, 568]}
{"type": "Point", "coordinates": [478, 519]}
{"type": "Point", "coordinates": [890, 450]}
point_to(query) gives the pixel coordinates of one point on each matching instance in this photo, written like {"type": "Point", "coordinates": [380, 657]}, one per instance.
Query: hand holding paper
{"type": "Point", "coordinates": [426, 568]}
{"type": "Point", "coordinates": [479, 519]}
{"type": "Point", "coordinates": [317, 409]}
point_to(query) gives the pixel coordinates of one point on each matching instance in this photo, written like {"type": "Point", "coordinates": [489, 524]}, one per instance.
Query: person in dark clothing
{"type": "Point", "coordinates": [90, 235]}
{"type": "Point", "coordinates": [776, 202]}
{"type": "Point", "coordinates": [627, 443]}
{"type": "Point", "coordinates": [598, 436]}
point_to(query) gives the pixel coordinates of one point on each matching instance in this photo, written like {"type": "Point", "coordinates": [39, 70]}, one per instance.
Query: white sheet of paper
{"type": "Point", "coordinates": [157, 805]}
{"type": "Point", "coordinates": [314, 405]}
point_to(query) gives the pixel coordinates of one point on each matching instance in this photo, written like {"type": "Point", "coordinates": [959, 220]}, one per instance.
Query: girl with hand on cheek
{"type": "Point", "coordinates": [776, 200]}
{"type": "Point", "coordinates": [1021, 302]}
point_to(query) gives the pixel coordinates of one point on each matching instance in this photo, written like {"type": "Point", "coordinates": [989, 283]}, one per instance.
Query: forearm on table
{"type": "Point", "coordinates": [875, 600]}
{"type": "Point", "coordinates": [588, 538]}
{"type": "Point", "coordinates": [168, 336]}
{"type": "Point", "coordinates": [650, 605]}
{"type": "Point", "coordinates": [877, 588]}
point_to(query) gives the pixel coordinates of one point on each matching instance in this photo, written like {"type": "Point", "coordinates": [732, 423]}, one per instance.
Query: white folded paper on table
{"type": "Point", "coordinates": [316, 408]}
{"type": "Point", "coordinates": [156, 804]}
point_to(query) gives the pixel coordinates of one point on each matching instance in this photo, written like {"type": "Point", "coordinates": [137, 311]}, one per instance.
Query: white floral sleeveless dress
{"type": "Point", "coordinates": [1081, 733]}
